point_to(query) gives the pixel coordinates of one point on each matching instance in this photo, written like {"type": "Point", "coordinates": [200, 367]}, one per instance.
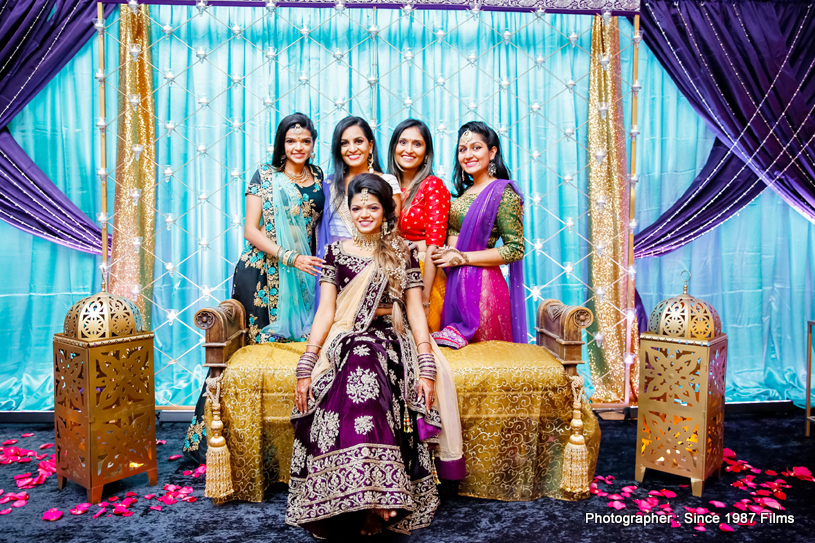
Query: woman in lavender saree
{"type": "Point", "coordinates": [478, 305]}
{"type": "Point", "coordinates": [375, 399]}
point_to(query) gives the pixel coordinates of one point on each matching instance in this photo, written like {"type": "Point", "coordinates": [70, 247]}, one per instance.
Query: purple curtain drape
{"type": "Point", "coordinates": [723, 187]}
{"type": "Point", "coordinates": [37, 39]}
{"type": "Point", "coordinates": [748, 68]}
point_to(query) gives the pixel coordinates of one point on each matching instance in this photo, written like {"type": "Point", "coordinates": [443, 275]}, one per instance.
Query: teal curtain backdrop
{"type": "Point", "coordinates": [754, 269]}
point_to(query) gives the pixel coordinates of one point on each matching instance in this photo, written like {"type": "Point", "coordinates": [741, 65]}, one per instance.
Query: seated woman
{"type": "Point", "coordinates": [366, 409]}
{"type": "Point", "coordinates": [425, 207]}
{"type": "Point", "coordinates": [284, 202]}
{"type": "Point", "coordinates": [478, 306]}
{"type": "Point", "coordinates": [353, 151]}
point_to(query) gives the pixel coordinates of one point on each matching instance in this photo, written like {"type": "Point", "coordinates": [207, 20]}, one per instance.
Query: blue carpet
{"type": "Point", "coordinates": [768, 441]}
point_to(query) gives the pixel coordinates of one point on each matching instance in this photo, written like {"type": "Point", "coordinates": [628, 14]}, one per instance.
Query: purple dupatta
{"type": "Point", "coordinates": [463, 292]}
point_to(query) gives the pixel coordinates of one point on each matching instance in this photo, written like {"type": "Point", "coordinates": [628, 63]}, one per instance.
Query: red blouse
{"type": "Point", "coordinates": [426, 218]}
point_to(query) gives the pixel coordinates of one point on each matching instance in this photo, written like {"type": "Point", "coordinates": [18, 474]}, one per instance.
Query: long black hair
{"type": "Point", "coordinates": [462, 180]}
{"type": "Point", "coordinates": [338, 165]}
{"type": "Point", "coordinates": [392, 251]}
{"type": "Point", "coordinates": [279, 149]}
{"type": "Point", "coordinates": [425, 170]}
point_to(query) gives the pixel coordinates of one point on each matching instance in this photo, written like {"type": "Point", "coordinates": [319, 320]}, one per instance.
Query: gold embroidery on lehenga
{"type": "Point", "coordinates": [387, 486]}
{"type": "Point", "coordinates": [298, 456]}
{"type": "Point", "coordinates": [363, 424]}
{"type": "Point", "coordinates": [362, 385]}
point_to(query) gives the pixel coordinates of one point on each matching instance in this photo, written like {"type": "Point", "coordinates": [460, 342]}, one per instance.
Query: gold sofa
{"type": "Point", "coordinates": [516, 405]}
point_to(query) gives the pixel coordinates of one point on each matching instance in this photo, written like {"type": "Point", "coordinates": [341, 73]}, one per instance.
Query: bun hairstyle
{"type": "Point", "coordinates": [392, 252]}
{"type": "Point", "coordinates": [462, 180]}
{"type": "Point", "coordinates": [425, 170]}
{"type": "Point", "coordinates": [279, 149]}
{"type": "Point", "coordinates": [338, 165]}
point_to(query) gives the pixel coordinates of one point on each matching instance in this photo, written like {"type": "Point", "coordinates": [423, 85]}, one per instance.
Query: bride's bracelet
{"type": "Point", "coordinates": [427, 366]}
{"type": "Point", "coordinates": [288, 258]}
{"type": "Point", "coordinates": [306, 364]}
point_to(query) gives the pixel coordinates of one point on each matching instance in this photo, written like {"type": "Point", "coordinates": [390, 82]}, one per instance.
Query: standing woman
{"type": "Point", "coordinates": [372, 392]}
{"type": "Point", "coordinates": [425, 207]}
{"type": "Point", "coordinates": [273, 278]}
{"type": "Point", "coordinates": [478, 306]}
{"type": "Point", "coordinates": [353, 151]}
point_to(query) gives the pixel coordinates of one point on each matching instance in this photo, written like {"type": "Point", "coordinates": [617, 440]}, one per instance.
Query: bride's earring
{"type": "Point", "coordinates": [491, 169]}
{"type": "Point", "coordinates": [370, 163]}
{"type": "Point", "coordinates": [385, 229]}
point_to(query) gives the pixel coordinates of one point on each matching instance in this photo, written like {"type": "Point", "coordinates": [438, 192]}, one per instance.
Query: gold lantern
{"type": "Point", "coordinates": [104, 401]}
{"type": "Point", "coordinates": [683, 362]}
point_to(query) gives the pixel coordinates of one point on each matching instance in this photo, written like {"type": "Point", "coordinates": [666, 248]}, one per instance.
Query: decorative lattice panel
{"type": "Point", "coordinates": [105, 411]}
{"type": "Point", "coordinates": [681, 408]}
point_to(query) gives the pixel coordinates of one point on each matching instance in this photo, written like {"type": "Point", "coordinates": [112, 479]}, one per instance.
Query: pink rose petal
{"type": "Point", "coordinates": [29, 434]}
{"type": "Point", "coordinates": [192, 499]}
{"type": "Point", "coordinates": [770, 472]}
{"type": "Point", "coordinates": [149, 496]}
{"type": "Point", "coordinates": [675, 524]}
{"type": "Point", "coordinates": [100, 513]}
{"type": "Point", "coordinates": [78, 511]}
{"type": "Point", "coordinates": [5, 511]}
{"type": "Point", "coordinates": [714, 503]}
{"type": "Point", "coordinates": [52, 515]}
{"type": "Point", "coordinates": [174, 457]}
{"type": "Point", "coordinates": [625, 488]}
{"type": "Point", "coordinates": [46, 446]}
{"type": "Point", "coordinates": [113, 499]}
{"type": "Point", "coordinates": [23, 476]}
{"type": "Point", "coordinates": [615, 497]}
{"type": "Point", "coordinates": [668, 493]}
{"type": "Point", "coordinates": [700, 528]}
{"type": "Point", "coordinates": [161, 442]}
{"type": "Point", "coordinates": [155, 507]}
{"type": "Point", "coordinates": [616, 505]}
{"type": "Point", "coordinates": [186, 472]}
{"type": "Point", "coordinates": [725, 527]}
{"type": "Point", "coordinates": [728, 453]}
{"type": "Point", "coordinates": [10, 442]}
{"type": "Point", "coordinates": [19, 503]}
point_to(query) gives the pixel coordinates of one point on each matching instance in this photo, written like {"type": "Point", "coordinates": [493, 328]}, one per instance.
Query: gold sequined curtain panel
{"type": "Point", "coordinates": [608, 173]}
{"type": "Point", "coordinates": [133, 222]}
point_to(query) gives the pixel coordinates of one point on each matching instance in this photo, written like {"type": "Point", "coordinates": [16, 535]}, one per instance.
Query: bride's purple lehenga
{"type": "Point", "coordinates": [363, 443]}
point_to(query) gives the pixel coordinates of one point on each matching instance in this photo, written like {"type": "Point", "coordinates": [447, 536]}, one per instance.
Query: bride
{"type": "Point", "coordinates": [375, 401]}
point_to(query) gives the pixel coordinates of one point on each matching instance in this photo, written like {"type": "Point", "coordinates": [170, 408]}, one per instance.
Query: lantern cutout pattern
{"type": "Point", "coordinates": [683, 363]}
{"type": "Point", "coordinates": [104, 397]}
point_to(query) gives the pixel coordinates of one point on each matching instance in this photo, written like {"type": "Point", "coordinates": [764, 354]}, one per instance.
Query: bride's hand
{"type": "Point", "coordinates": [427, 390]}
{"type": "Point", "coordinates": [309, 264]}
{"type": "Point", "coordinates": [302, 393]}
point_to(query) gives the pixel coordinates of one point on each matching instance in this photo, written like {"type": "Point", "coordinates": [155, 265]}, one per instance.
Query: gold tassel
{"type": "Point", "coordinates": [406, 425]}
{"type": "Point", "coordinates": [219, 468]}
{"type": "Point", "coordinates": [433, 463]}
{"type": "Point", "coordinates": [576, 456]}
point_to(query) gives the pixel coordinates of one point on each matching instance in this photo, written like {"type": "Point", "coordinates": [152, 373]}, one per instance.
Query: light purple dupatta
{"type": "Point", "coordinates": [463, 292]}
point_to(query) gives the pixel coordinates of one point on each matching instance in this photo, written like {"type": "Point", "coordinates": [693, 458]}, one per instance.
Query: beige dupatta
{"type": "Point", "coordinates": [446, 402]}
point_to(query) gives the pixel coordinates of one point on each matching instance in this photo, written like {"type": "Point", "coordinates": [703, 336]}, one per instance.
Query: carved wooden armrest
{"type": "Point", "coordinates": [225, 327]}
{"type": "Point", "coordinates": [559, 329]}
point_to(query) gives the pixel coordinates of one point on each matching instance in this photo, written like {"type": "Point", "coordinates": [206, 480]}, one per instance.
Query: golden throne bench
{"type": "Point", "coordinates": [515, 400]}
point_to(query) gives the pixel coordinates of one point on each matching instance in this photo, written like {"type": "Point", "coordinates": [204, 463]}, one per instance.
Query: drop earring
{"type": "Point", "coordinates": [385, 229]}
{"type": "Point", "coordinates": [370, 164]}
{"type": "Point", "coordinates": [492, 169]}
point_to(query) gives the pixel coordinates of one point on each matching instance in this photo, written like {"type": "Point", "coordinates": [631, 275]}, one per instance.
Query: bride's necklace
{"type": "Point", "coordinates": [297, 179]}
{"type": "Point", "coordinates": [366, 242]}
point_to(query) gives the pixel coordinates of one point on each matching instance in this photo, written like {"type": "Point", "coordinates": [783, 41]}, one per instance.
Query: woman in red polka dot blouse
{"type": "Point", "coordinates": [425, 206]}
